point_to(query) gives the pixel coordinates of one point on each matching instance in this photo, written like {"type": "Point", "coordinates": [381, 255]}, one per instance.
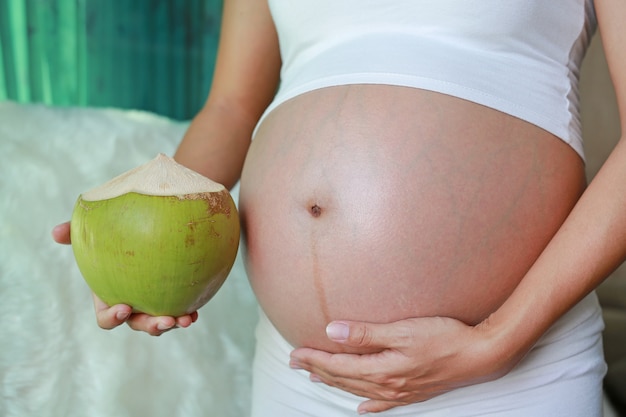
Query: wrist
{"type": "Point", "coordinates": [501, 346]}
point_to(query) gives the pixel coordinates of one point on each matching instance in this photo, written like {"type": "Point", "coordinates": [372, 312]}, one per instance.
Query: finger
{"type": "Point", "coordinates": [360, 388]}
{"type": "Point", "coordinates": [331, 365]}
{"type": "Point", "coordinates": [381, 396]}
{"type": "Point", "coordinates": [375, 386]}
{"type": "Point", "coordinates": [370, 375]}
{"type": "Point", "coordinates": [367, 335]}
{"type": "Point", "coordinates": [186, 321]}
{"type": "Point", "coordinates": [61, 233]}
{"type": "Point", "coordinates": [376, 406]}
{"type": "Point", "coordinates": [154, 326]}
{"type": "Point", "coordinates": [110, 317]}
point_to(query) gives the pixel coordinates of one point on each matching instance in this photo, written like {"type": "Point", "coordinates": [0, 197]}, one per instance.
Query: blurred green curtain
{"type": "Point", "coordinates": [154, 55]}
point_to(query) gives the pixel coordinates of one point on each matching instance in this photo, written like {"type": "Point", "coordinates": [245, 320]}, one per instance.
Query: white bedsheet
{"type": "Point", "coordinates": [54, 359]}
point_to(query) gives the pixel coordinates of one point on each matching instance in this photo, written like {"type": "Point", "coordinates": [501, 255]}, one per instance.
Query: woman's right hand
{"type": "Point", "coordinates": [109, 317]}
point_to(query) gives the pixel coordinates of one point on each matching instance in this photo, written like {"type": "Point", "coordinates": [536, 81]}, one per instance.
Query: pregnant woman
{"type": "Point", "coordinates": [418, 229]}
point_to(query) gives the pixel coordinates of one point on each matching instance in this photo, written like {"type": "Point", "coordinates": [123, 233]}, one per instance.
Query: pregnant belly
{"type": "Point", "coordinates": [380, 203]}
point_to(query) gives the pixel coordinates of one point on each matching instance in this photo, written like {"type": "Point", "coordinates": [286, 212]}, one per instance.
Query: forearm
{"type": "Point", "coordinates": [587, 248]}
{"type": "Point", "coordinates": [245, 79]}
{"type": "Point", "coordinates": [216, 143]}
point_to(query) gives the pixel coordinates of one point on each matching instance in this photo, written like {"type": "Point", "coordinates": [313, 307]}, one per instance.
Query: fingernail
{"type": "Point", "coordinates": [163, 326]}
{"type": "Point", "coordinates": [294, 364]}
{"type": "Point", "coordinates": [315, 378]}
{"type": "Point", "coordinates": [122, 315]}
{"type": "Point", "coordinates": [337, 331]}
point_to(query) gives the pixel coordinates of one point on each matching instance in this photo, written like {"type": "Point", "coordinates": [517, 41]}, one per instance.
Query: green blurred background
{"type": "Point", "coordinates": [154, 55]}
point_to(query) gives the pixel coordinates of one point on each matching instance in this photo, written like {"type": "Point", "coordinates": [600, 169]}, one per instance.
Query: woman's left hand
{"type": "Point", "coordinates": [417, 359]}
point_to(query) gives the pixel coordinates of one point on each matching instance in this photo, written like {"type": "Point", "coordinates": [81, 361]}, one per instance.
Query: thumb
{"type": "Point", "coordinates": [61, 233]}
{"type": "Point", "coordinates": [360, 334]}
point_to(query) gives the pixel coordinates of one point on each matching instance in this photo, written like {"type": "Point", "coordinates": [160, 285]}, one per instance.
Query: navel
{"type": "Point", "coordinates": [315, 210]}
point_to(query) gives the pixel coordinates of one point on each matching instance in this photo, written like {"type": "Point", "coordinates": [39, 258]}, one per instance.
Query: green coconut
{"type": "Point", "coordinates": [160, 238]}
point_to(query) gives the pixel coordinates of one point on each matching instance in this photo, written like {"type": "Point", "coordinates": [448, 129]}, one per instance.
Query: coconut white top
{"type": "Point", "coordinates": [161, 177]}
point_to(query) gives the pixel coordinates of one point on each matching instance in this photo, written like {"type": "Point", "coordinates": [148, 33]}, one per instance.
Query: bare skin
{"type": "Point", "coordinates": [418, 357]}
{"type": "Point", "coordinates": [381, 203]}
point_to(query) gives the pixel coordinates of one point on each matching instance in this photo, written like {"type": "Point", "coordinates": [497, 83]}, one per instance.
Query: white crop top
{"type": "Point", "coordinates": [521, 57]}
